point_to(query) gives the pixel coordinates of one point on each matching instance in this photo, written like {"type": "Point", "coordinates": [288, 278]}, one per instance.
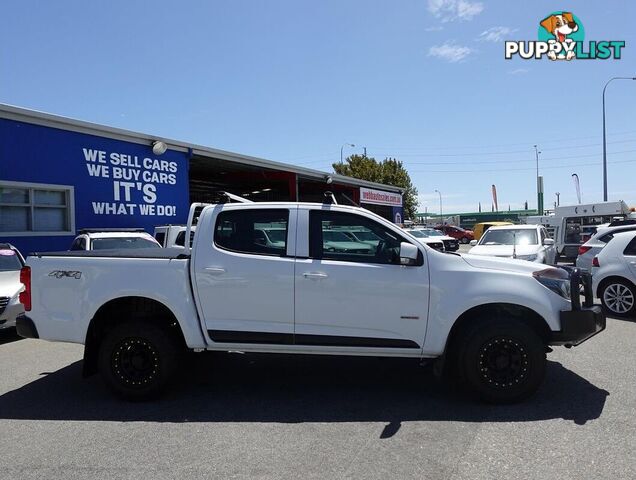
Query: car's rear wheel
{"type": "Point", "coordinates": [501, 360]}
{"type": "Point", "coordinates": [138, 359]}
{"type": "Point", "coordinates": [618, 298]}
{"type": "Point", "coordinates": [464, 240]}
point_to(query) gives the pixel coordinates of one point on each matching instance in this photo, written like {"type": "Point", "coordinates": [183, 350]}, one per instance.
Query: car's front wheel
{"type": "Point", "coordinates": [618, 298]}
{"type": "Point", "coordinates": [501, 360]}
{"type": "Point", "coordinates": [464, 240]}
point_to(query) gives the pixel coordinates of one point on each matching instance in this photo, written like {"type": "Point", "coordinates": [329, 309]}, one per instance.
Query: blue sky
{"type": "Point", "coordinates": [422, 81]}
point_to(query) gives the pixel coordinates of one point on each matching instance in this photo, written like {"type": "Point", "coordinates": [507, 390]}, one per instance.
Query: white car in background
{"type": "Point", "coordinates": [523, 242]}
{"type": "Point", "coordinates": [11, 262]}
{"type": "Point", "coordinates": [432, 241]}
{"type": "Point", "coordinates": [113, 238]}
{"type": "Point", "coordinates": [614, 275]}
{"type": "Point", "coordinates": [594, 245]}
{"type": "Point", "coordinates": [451, 244]}
{"type": "Point", "coordinates": [170, 236]}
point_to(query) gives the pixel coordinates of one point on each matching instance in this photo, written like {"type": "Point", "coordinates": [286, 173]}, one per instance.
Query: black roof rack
{"type": "Point", "coordinates": [83, 231]}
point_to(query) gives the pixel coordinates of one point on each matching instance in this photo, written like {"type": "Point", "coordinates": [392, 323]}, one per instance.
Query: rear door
{"type": "Point", "coordinates": [245, 288]}
{"type": "Point", "coordinates": [357, 298]}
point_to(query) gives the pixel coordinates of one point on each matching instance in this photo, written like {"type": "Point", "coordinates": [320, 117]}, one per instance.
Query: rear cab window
{"type": "Point", "coordinates": [257, 232]}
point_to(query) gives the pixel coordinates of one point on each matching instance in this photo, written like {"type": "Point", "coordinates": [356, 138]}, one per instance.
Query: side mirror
{"type": "Point", "coordinates": [473, 243]}
{"type": "Point", "coordinates": [408, 254]}
{"type": "Point", "coordinates": [548, 242]}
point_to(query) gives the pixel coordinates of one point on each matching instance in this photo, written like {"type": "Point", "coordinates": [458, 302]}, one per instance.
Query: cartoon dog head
{"type": "Point", "coordinates": [560, 25]}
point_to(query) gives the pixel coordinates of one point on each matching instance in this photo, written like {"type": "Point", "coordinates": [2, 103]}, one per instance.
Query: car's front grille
{"type": "Point", "coordinates": [4, 301]}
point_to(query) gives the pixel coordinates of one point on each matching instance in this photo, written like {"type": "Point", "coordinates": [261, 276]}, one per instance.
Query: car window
{"type": "Point", "coordinates": [509, 237]}
{"type": "Point", "coordinates": [606, 238]}
{"type": "Point", "coordinates": [76, 244]}
{"type": "Point", "coordinates": [160, 237]}
{"type": "Point", "coordinates": [180, 240]}
{"type": "Point", "coordinates": [418, 233]}
{"type": "Point", "coordinates": [326, 243]}
{"type": "Point", "coordinates": [122, 242]}
{"type": "Point", "coordinates": [9, 260]}
{"type": "Point", "coordinates": [258, 231]}
{"type": "Point", "coordinates": [630, 249]}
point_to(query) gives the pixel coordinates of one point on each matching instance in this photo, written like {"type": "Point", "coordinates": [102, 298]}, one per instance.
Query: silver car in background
{"type": "Point", "coordinates": [597, 242]}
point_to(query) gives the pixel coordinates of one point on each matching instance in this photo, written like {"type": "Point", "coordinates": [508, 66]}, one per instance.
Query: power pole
{"type": "Point", "coordinates": [539, 184]}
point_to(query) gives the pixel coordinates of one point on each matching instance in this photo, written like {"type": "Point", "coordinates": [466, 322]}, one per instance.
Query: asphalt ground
{"type": "Point", "coordinates": [279, 416]}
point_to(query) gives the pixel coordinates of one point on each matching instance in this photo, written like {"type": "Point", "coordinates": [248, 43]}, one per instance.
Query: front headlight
{"type": "Point", "coordinates": [555, 279]}
{"type": "Point", "coordinates": [529, 258]}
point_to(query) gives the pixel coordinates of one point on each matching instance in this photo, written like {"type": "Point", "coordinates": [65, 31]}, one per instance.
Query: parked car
{"type": "Point", "coordinates": [614, 275]}
{"type": "Point", "coordinates": [138, 311]}
{"type": "Point", "coordinates": [113, 238]}
{"type": "Point", "coordinates": [594, 245]}
{"type": "Point", "coordinates": [427, 239]}
{"type": "Point", "coordinates": [523, 242]}
{"type": "Point", "coordinates": [480, 228]}
{"type": "Point", "coordinates": [11, 262]}
{"type": "Point", "coordinates": [464, 236]}
{"type": "Point", "coordinates": [172, 235]}
{"type": "Point", "coordinates": [450, 244]}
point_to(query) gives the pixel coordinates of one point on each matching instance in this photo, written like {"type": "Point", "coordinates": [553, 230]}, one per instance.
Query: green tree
{"type": "Point", "coordinates": [389, 171]}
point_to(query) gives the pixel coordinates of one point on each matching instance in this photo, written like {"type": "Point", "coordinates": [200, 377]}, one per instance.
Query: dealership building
{"type": "Point", "coordinates": [58, 175]}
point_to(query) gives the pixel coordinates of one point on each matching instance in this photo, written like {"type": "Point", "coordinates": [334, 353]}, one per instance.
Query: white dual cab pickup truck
{"type": "Point", "coordinates": [487, 321]}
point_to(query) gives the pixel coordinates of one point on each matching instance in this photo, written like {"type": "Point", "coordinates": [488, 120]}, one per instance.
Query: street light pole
{"type": "Point", "coordinates": [539, 189]}
{"type": "Point", "coordinates": [604, 141]}
{"type": "Point", "coordinates": [441, 216]}
{"type": "Point", "coordinates": [344, 145]}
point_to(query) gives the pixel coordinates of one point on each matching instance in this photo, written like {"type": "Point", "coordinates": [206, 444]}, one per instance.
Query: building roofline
{"type": "Point", "coordinates": [12, 112]}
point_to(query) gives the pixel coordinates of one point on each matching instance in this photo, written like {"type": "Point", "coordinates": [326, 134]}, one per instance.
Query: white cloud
{"type": "Point", "coordinates": [451, 10]}
{"type": "Point", "coordinates": [496, 34]}
{"type": "Point", "coordinates": [450, 52]}
{"type": "Point", "coordinates": [518, 71]}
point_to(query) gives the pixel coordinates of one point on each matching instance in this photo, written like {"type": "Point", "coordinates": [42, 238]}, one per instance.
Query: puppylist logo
{"type": "Point", "coordinates": [561, 37]}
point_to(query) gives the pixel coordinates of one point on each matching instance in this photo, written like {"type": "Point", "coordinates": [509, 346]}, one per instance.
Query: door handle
{"type": "Point", "coordinates": [214, 270]}
{"type": "Point", "coordinates": [316, 275]}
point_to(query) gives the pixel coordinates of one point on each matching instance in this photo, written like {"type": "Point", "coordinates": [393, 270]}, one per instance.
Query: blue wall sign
{"type": "Point", "coordinates": [116, 183]}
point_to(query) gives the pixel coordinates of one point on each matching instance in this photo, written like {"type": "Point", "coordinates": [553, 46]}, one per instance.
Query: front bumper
{"type": "Point", "coordinates": [9, 314]}
{"type": "Point", "coordinates": [584, 320]}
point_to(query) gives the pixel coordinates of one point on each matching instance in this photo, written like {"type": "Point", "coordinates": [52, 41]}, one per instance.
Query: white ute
{"type": "Point", "coordinates": [137, 311]}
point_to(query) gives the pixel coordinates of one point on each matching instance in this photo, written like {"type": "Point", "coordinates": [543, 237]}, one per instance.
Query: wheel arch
{"type": "Point", "coordinates": [611, 278]}
{"type": "Point", "coordinates": [124, 309]}
{"type": "Point", "coordinates": [519, 312]}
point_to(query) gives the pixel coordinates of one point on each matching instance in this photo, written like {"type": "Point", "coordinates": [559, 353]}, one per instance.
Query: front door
{"type": "Point", "coordinates": [351, 291]}
{"type": "Point", "coordinates": [245, 285]}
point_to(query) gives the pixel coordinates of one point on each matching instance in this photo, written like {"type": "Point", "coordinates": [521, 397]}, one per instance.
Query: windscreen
{"type": "Point", "coordinates": [509, 237]}
{"type": "Point", "coordinates": [418, 233]}
{"type": "Point", "coordinates": [122, 242]}
{"type": "Point", "coordinates": [9, 261]}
